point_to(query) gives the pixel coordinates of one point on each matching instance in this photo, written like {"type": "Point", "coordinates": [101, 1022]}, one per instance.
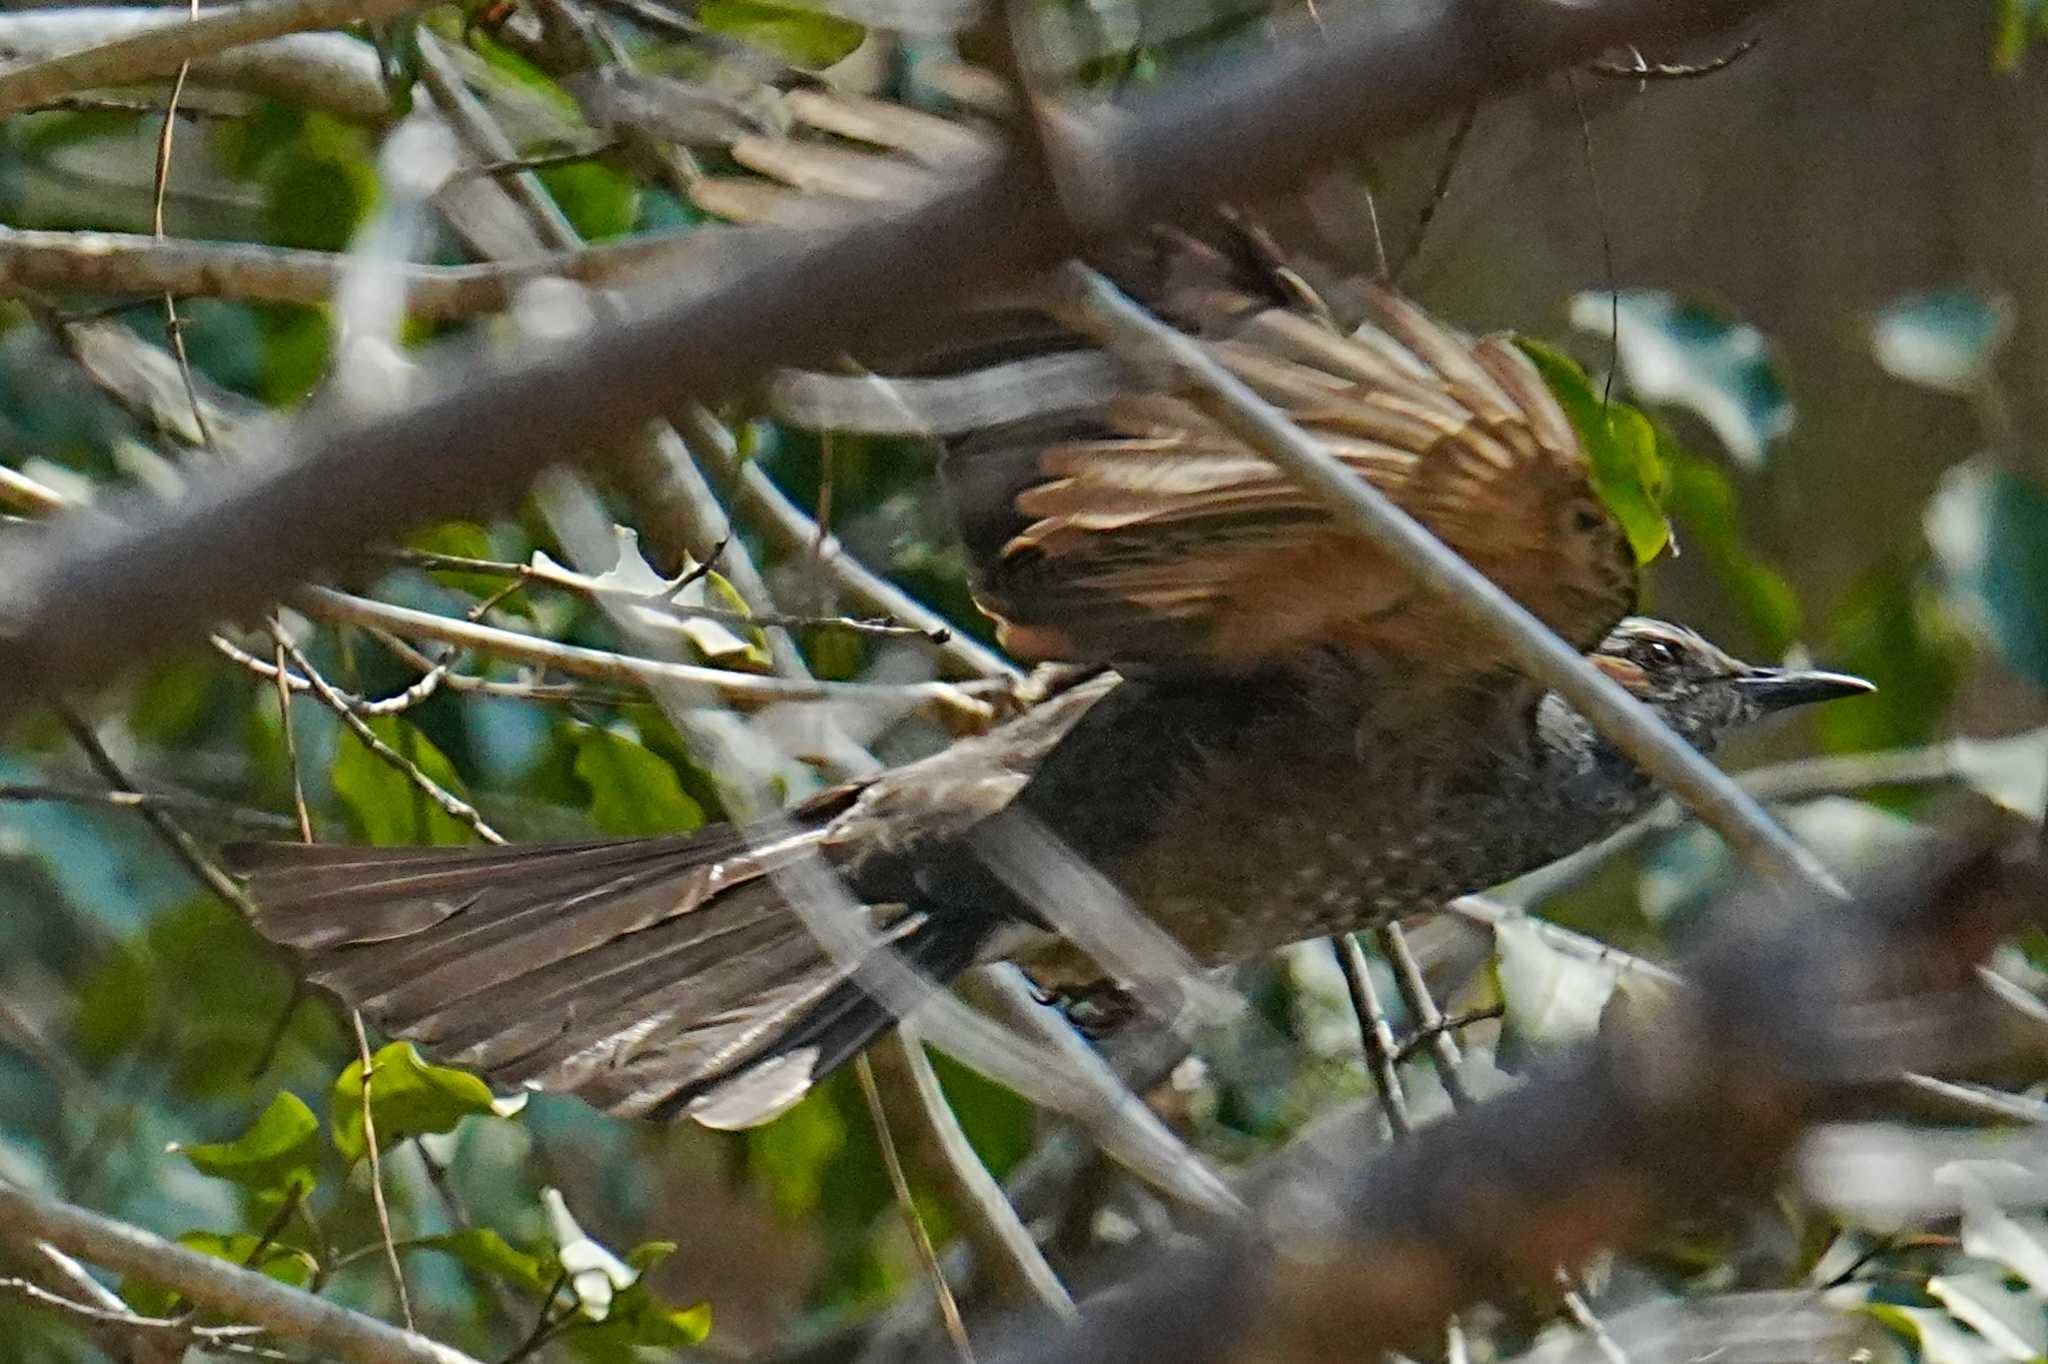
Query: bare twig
{"type": "Point", "coordinates": [956, 702]}
{"type": "Point", "coordinates": [330, 72]}
{"type": "Point", "coordinates": [928, 1257]}
{"type": "Point", "coordinates": [1642, 71]}
{"type": "Point", "coordinates": [451, 804]}
{"type": "Point", "coordinates": [90, 598]}
{"type": "Point", "coordinates": [159, 52]}
{"type": "Point", "coordinates": [182, 845]}
{"type": "Point", "coordinates": [289, 1312]}
{"type": "Point", "coordinates": [369, 1065]}
{"type": "Point", "coordinates": [224, 812]}
{"type": "Point", "coordinates": [129, 263]}
{"type": "Point", "coordinates": [1423, 1012]}
{"type": "Point", "coordinates": [1438, 192]}
{"type": "Point", "coordinates": [1375, 1033]}
{"type": "Point", "coordinates": [1004, 1250]}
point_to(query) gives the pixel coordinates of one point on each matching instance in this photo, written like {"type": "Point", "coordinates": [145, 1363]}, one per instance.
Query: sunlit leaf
{"type": "Point", "coordinates": [1621, 444]}
{"type": "Point", "coordinates": [1945, 340]}
{"type": "Point", "coordinates": [1890, 626]}
{"type": "Point", "coordinates": [1673, 351]}
{"type": "Point", "coordinates": [463, 540]}
{"type": "Point", "coordinates": [388, 809]}
{"type": "Point", "coordinates": [790, 1155]}
{"type": "Point", "coordinates": [485, 1251]}
{"type": "Point", "coordinates": [597, 200]}
{"type": "Point", "coordinates": [408, 1097]}
{"type": "Point", "coordinates": [633, 791]}
{"type": "Point", "coordinates": [284, 1263]}
{"type": "Point", "coordinates": [1989, 532]}
{"type": "Point", "coordinates": [273, 1158]}
{"type": "Point", "coordinates": [1702, 502]}
{"type": "Point", "coordinates": [806, 37]}
{"type": "Point", "coordinates": [1991, 1233]}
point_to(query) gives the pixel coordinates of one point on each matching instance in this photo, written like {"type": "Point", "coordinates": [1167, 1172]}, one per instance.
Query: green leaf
{"type": "Point", "coordinates": [487, 1252]}
{"type": "Point", "coordinates": [648, 1254]}
{"type": "Point", "coordinates": [1621, 444]}
{"type": "Point", "coordinates": [388, 810]}
{"type": "Point", "coordinates": [1702, 502]}
{"type": "Point", "coordinates": [1672, 351]}
{"type": "Point", "coordinates": [632, 790]}
{"type": "Point", "coordinates": [462, 540]}
{"type": "Point", "coordinates": [408, 1097]}
{"type": "Point", "coordinates": [273, 1158]}
{"type": "Point", "coordinates": [638, 1318]}
{"type": "Point", "coordinates": [1989, 532]}
{"type": "Point", "coordinates": [1892, 627]}
{"type": "Point", "coordinates": [806, 37]}
{"type": "Point", "coordinates": [598, 201]}
{"type": "Point", "coordinates": [1945, 340]}
{"type": "Point", "coordinates": [114, 1005]}
{"type": "Point", "coordinates": [286, 1264]}
{"type": "Point", "coordinates": [315, 201]}
{"type": "Point", "coordinates": [790, 1155]}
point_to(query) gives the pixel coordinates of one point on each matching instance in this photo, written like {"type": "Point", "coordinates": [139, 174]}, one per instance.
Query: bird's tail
{"type": "Point", "coordinates": [651, 976]}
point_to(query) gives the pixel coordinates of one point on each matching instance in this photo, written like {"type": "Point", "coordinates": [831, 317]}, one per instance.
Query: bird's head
{"type": "Point", "coordinates": [1703, 691]}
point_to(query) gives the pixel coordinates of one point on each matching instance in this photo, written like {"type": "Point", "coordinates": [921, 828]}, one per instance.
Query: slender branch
{"type": "Point", "coordinates": [451, 804]}
{"type": "Point", "coordinates": [26, 1217]}
{"type": "Point", "coordinates": [133, 263]}
{"type": "Point", "coordinates": [225, 812]}
{"type": "Point", "coordinates": [326, 71]}
{"type": "Point", "coordinates": [390, 1246]}
{"type": "Point", "coordinates": [1428, 1019]}
{"type": "Point", "coordinates": [161, 51]}
{"type": "Point", "coordinates": [90, 598]}
{"type": "Point", "coordinates": [1375, 1033]}
{"type": "Point", "coordinates": [182, 845]}
{"type": "Point", "coordinates": [899, 1185]}
{"type": "Point", "coordinates": [1624, 720]}
{"type": "Point", "coordinates": [1004, 1250]}
{"type": "Point", "coordinates": [958, 702]}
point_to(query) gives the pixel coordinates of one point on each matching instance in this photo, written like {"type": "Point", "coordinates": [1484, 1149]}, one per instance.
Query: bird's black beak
{"type": "Point", "coordinates": [1783, 688]}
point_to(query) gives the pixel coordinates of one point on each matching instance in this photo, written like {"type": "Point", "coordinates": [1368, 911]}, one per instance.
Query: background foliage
{"type": "Point", "coordinates": [1830, 304]}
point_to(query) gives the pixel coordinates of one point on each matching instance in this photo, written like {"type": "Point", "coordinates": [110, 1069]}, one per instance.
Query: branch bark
{"type": "Point", "coordinates": [27, 1217]}
{"type": "Point", "coordinates": [95, 597]}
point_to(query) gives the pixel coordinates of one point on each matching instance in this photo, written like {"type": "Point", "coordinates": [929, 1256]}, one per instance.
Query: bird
{"type": "Point", "coordinates": [1253, 727]}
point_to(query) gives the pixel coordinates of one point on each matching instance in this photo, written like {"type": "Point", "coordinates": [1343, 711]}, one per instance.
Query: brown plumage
{"type": "Point", "coordinates": [1283, 741]}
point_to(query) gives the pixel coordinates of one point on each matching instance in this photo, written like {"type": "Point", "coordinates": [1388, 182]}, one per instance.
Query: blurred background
{"type": "Point", "coordinates": [1831, 260]}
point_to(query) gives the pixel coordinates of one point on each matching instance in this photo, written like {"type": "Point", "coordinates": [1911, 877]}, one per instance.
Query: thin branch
{"type": "Point", "coordinates": [182, 845]}
{"type": "Point", "coordinates": [664, 600]}
{"type": "Point", "coordinates": [159, 52]}
{"type": "Point", "coordinates": [1375, 1033]}
{"type": "Point", "coordinates": [1422, 1007]}
{"type": "Point", "coordinates": [451, 804]}
{"type": "Point", "coordinates": [1643, 72]}
{"type": "Point", "coordinates": [225, 812]}
{"type": "Point", "coordinates": [1438, 192]}
{"type": "Point", "coordinates": [928, 1257]}
{"type": "Point", "coordinates": [26, 1217]}
{"type": "Point", "coordinates": [369, 1064]}
{"type": "Point", "coordinates": [1358, 506]}
{"type": "Point", "coordinates": [1004, 1250]}
{"type": "Point", "coordinates": [330, 72]}
{"type": "Point", "coordinates": [88, 598]}
{"type": "Point", "coordinates": [790, 529]}
{"type": "Point", "coordinates": [132, 263]}
{"type": "Point", "coordinates": [958, 703]}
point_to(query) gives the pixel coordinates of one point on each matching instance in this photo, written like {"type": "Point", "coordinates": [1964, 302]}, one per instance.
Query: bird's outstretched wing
{"type": "Point", "coordinates": [1110, 520]}
{"type": "Point", "coordinates": [1142, 530]}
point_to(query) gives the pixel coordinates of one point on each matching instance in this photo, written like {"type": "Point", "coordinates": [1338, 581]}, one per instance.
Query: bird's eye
{"type": "Point", "coordinates": [1659, 655]}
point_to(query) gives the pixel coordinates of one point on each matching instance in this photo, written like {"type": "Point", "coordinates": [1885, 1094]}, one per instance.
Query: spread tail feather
{"type": "Point", "coordinates": [651, 976]}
